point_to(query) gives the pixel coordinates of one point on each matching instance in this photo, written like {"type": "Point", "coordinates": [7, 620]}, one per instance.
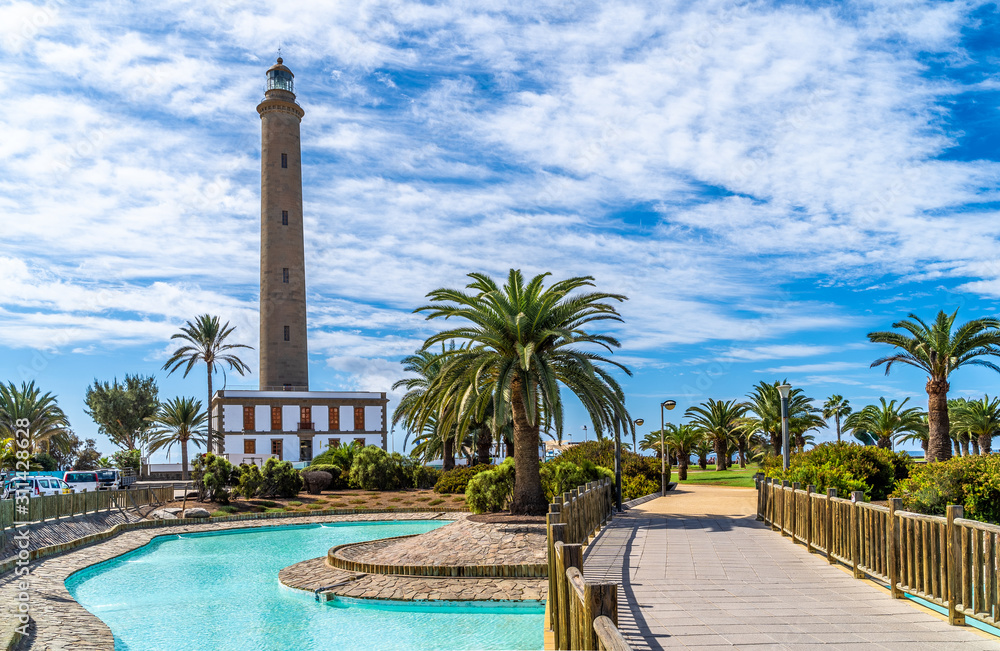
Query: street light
{"type": "Point", "coordinates": [584, 428]}
{"type": "Point", "coordinates": [666, 404]}
{"type": "Point", "coordinates": [784, 390]}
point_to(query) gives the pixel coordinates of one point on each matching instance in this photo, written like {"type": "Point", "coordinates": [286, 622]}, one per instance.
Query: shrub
{"type": "Point", "coordinates": [457, 479]}
{"type": "Point", "coordinates": [343, 458]}
{"type": "Point", "coordinates": [268, 503]}
{"type": "Point", "coordinates": [280, 479]}
{"type": "Point", "coordinates": [435, 502]}
{"type": "Point", "coordinates": [295, 503]}
{"type": "Point", "coordinates": [972, 481]}
{"type": "Point", "coordinates": [335, 472]}
{"type": "Point", "coordinates": [375, 470]}
{"type": "Point", "coordinates": [846, 467]}
{"type": "Point", "coordinates": [211, 476]}
{"type": "Point", "coordinates": [424, 476]}
{"type": "Point", "coordinates": [123, 459]}
{"type": "Point", "coordinates": [560, 476]}
{"type": "Point", "coordinates": [228, 509]}
{"type": "Point", "coordinates": [250, 481]}
{"type": "Point", "coordinates": [492, 490]}
{"type": "Point", "coordinates": [638, 486]}
{"type": "Point", "coordinates": [315, 481]}
{"type": "Point", "coordinates": [275, 510]}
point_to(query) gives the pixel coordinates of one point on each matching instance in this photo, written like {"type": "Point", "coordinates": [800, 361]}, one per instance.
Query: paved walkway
{"type": "Point", "coordinates": [696, 570]}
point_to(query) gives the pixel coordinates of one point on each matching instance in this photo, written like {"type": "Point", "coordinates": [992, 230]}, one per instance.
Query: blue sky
{"type": "Point", "coordinates": [766, 181]}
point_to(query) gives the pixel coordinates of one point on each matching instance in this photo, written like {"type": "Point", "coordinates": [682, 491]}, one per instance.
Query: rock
{"type": "Point", "coordinates": [196, 513]}
{"type": "Point", "coordinates": [316, 481]}
{"type": "Point", "coordinates": [191, 494]}
{"type": "Point", "coordinates": [163, 514]}
{"type": "Point", "coordinates": [172, 510]}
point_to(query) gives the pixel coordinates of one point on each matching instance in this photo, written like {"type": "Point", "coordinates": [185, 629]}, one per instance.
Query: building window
{"type": "Point", "coordinates": [249, 446]}
{"type": "Point", "coordinates": [284, 218]}
{"type": "Point", "coordinates": [284, 160]}
{"type": "Point", "coordinates": [288, 333]}
{"type": "Point", "coordinates": [335, 419]}
{"type": "Point", "coordinates": [359, 442]}
{"type": "Point", "coordinates": [359, 419]}
{"type": "Point", "coordinates": [276, 448]}
{"type": "Point", "coordinates": [335, 443]}
{"type": "Point", "coordinates": [248, 418]}
{"type": "Point", "coordinates": [305, 418]}
{"type": "Point", "coordinates": [276, 419]}
{"type": "Point", "coordinates": [284, 274]}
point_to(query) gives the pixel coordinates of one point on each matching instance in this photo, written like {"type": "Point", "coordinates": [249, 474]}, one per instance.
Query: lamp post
{"type": "Point", "coordinates": [666, 404]}
{"type": "Point", "coordinates": [784, 390]}
{"type": "Point", "coordinates": [584, 428]}
{"type": "Point", "coordinates": [618, 465]}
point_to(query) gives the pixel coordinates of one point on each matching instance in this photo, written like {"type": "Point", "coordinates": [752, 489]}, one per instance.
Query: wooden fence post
{"type": "Point", "coordinates": [810, 489]}
{"type": "Point", "coordinates": [784, 506]}
{"type": "Point", "coordinates": [954, 561]}
{"type": "Point", "coordinates": [830, 494]}
{"type": "Point", "coordinates": [794, 518]}
{"type": "Point", "coordinates": [857, 497]}
{"type": "Point", "coordinates": [893, 552]}
{"type": "Point", "coordinates": [599, 599]}
{"type": "Point", "coordinates": [572, 558]}
{"type": "Point", "coordinates": [557, 574]}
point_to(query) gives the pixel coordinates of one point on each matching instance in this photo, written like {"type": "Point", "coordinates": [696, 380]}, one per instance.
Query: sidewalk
{"type": "Point", "coordinates": [695, 569]}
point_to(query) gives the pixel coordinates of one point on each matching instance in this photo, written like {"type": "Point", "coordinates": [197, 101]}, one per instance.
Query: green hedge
{"type": "Point", "coordinates": [845, 466]}
{"type": "Point", "coordinates": [457, 479]}
{"type": "Point", "coordinates": [972, 481]}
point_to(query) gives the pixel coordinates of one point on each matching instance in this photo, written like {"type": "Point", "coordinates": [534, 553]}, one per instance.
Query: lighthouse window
{"type": "Point", "coordinates": [284, 218]}
{"type": "Point", "coordinates": [284, 160]}
{"type": "Point", "coordinates": [288, 333]}
{"type": "Point", "coordinates": [284, 275]}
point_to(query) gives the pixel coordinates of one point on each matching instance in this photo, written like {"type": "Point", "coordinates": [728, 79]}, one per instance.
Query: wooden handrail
{"type": "Point", "coordinates": [609, 638]}
{"type": "Point", "coordinates": [948, 561]}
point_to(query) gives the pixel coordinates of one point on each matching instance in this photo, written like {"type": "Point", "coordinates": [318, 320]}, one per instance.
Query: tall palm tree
{"type": "Point", "coordinates": [836, 407]}
{"type": "Point", "coordinates": [765, 403]}
{"type": "Point", "coordinates": [805, 418]}
{"type": "Point", "coordinates": [719, 421]}
{"type": "Point", "coordinates": [182, 421]}
{"type": "Point", "coordinates": [683, 439]}
{"type": "Point", "coordinates": [46, 421]}
{"type": "Point", "coordinates": [416, 411]}
{"type": "Point", "coordinates": [938, 351]}
{"type": "Point", "coordinates": [522, 341]}
{"type": "Point", "coordinates": [702, 449]}
{"type": "Point", "coordinates": [886, 421]}
{"type": "Point", "coordinates": [980, 419]}
{"type": "Point", "coordinates": [651, 441]}
{"type": "Point", "coordinates": [206, 343]}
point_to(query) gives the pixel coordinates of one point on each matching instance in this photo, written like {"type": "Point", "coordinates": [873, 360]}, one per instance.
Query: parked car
{"type": "Point", "coordinates": [36, 486]}
{"type": "Point", "coordinates": [82, 480]}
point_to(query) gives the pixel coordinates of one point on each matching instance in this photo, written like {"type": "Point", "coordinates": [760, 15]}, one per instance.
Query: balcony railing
{"type": "Point", "coordinates": [305, 426]}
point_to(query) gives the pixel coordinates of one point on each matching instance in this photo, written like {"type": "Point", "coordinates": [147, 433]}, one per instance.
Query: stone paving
{"type": "Point", "coordinates": [59, 622]}
{"type": "Point", "coordinates": [315, 574]}
{"type": "Point", "coordinates": [463, 542]}
{"type": "Point", "coordinates": [696, 570]}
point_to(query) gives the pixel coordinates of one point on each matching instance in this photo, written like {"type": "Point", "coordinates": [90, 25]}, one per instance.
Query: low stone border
{"type": "Point", "coordinates": [317, 577]}
{"type": "Point", "coordinates": [641, 500]}
{"type": "Point", "coordinates": [59, 622]}
{"type": "Point", "coordinates": [522, 570]}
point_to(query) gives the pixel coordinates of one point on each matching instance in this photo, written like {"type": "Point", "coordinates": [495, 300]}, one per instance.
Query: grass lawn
{"type": "Point", "coordinates": [735, 477]}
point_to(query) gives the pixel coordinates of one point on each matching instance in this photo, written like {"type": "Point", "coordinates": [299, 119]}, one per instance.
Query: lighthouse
{"type": "Point", "coordinates": [283, 419]}
{"type": "Point", "coordinates": [284, 353]}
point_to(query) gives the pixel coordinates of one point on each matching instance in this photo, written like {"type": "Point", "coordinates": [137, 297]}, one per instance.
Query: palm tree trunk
{"type": "Point", "coordinates": [184, 459]}
{"type": "Point", "coordinates": [682, 468]}
{"type": "Point", "coordinates": [957, 446]}
{"type": "Point", "coordinates": [213, 445]}
{"type": "Point", "coordinates": [776, 443]}
{"type": "Point", "coordinates": [508, 449]}
{"type": "Point", "coordinates": [703, 460]}
{"type": "Point", "coordinates": [964, 442]}
{"type": "Point", "coordinates": [836, 419]}
{"type": "Point", "coordinates": [447, 453]}
{"type": "Point", "coordinates": [939, 439]}
{"type": "Point", "coordinates": [529, 498]}
{"type": "Point", "coordinates": [985, 444]}
{"type": "Point", "coordinates": [975, 446]}
{"type": "Point", "coordinates": [720, 454]}
{"type": "Point", "coordinates": [884, 443]}
{"type": "Point", "coordinates": [484, 441]}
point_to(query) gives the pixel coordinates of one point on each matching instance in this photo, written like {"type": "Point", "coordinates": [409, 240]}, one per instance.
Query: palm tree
{"type": "Point", "coordinates": [651, 441]}
{"type": "Point", "coordinates": [415, 408]}
{"type": "Point", "coordinates": [719, 421]}
{"type": "Point", "coordinates": [836, 407]}
{"type": "Point", "coordinates": [28, 409]}
{"type": "Point", "coordinates": [683, 439]}
{"type": "Point", "coordinates": [702, 449]}
{"type": "Point", "coordinates": [938, 351]}
{"type": "Point", "coordinates": [886, 421]}
{"type": "Point", "coordinates": [918, 435]}
{"type": "Point", "coordinates": [206, 343]}
{"type": "Point", "coordinates": [765, 403]}
{"type": "Point", "coordinates": [180, 420]}
{"type": "Point", "coordinates": [979, 419]}
{"type": "Point", "coordinates": [805, 418]}
{"type": "Point", "coordinates": [521, 342]}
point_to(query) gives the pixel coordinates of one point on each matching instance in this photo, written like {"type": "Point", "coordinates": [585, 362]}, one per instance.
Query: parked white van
{"type": "Point", "coordinates": [36, 486]}
{"type": "Point", "coordinates": [82, 480]}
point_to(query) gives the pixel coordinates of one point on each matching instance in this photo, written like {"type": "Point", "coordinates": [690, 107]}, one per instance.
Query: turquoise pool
{"type": "Point", "coordinates": [220, 591]}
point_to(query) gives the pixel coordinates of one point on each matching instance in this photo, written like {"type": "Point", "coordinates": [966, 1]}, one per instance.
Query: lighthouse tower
{"type": "Point", "coordinates": [283, 419]}
{"type": "Point", "coordinates": [284, 356]}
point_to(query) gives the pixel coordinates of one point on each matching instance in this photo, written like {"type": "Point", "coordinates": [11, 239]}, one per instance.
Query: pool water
{"type": "Point", "coordinates": [220, 591]}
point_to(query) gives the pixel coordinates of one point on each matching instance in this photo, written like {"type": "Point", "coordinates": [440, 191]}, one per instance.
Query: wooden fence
{"type": "Point", "coordinates": [949, 561]}
{"type": "Point", "coordinates": [51, 507]}
{"type": "Point", "coordinates": [583, 615]}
